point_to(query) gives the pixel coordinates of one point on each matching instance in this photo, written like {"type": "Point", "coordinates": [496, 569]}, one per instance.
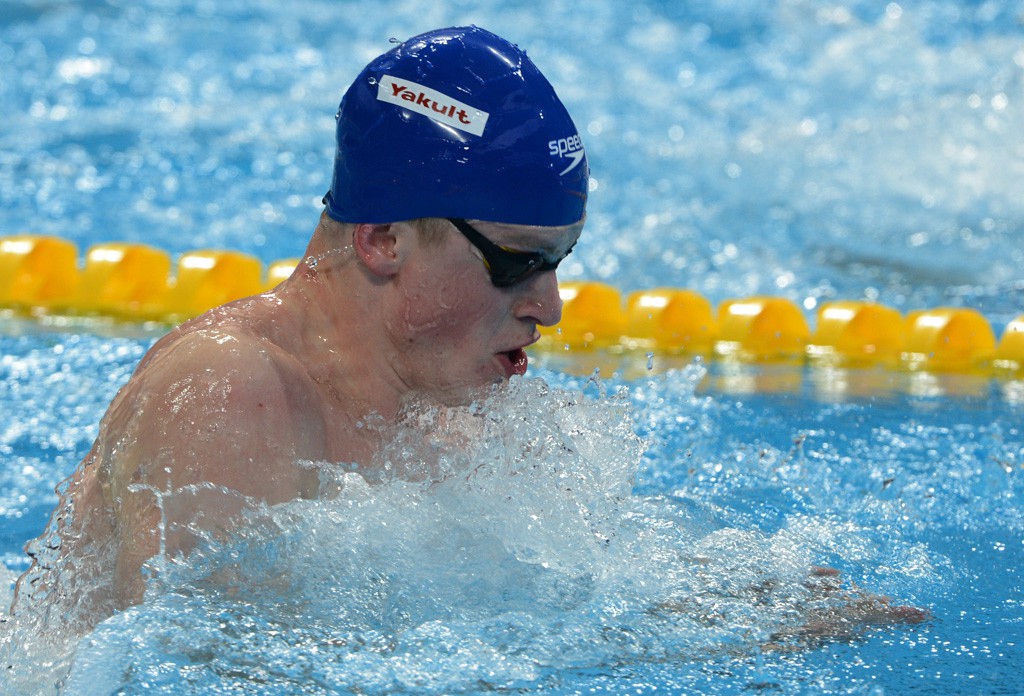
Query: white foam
{"type": "Point", "coordinates": [7, 578]}
{"type": "Point", "coordinates": [503, 546]}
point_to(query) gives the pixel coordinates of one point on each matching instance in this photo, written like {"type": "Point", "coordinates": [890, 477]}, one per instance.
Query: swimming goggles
{"type": "Point", "coordinates": [506, 266]}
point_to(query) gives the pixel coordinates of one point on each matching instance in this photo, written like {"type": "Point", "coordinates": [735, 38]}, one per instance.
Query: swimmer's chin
{"type": "Point", "coordinates": [507, 364]}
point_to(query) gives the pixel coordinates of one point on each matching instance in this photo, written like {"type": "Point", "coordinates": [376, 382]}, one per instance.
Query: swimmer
{"type": "Point", "coordinates": [459, 184]}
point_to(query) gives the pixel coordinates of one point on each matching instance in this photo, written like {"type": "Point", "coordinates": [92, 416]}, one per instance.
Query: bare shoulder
{"type": "Point", "coordinates": [211, 368]}
{"type": "Point", "coordinates": [217, 404]}
{"type": "Point", "coordinates": [223, 363]}
{"type": "Point", "coordinates": [215, 415]}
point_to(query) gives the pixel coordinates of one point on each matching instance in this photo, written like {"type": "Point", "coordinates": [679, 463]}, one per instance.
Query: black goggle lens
{"type": "Point", "coordinates": [506, 266]}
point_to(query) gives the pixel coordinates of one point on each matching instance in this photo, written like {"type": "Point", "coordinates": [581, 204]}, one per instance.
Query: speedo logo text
{"type": "Point", "coordinates": [571, 148]}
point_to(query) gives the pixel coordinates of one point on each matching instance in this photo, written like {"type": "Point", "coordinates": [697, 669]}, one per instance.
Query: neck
{"type": "Point", "coordinates": [335, 307]}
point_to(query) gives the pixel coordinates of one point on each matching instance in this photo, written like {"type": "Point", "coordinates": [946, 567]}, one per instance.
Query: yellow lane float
{"type": "Point", "coordinates": [126, 281]}
{"type": "Point", "coordinates": [592, 317]}
{"type": "Point", "coordinates": [947, 339]}
{"type": "Point", "coordinates": [40, 275]}
{"type": "Point", "coordinates": [761, 329]}
{"type": "Point", "coordinates": [279, 271]}
{"type": "Point", "coordinates": [209, 278]}
{"type": "Point", "coordinates": [855, 333]}
{"type": "Point", "coordinates": [37, 272]}
{"type": "Point", "coordinates": [670, 320]}
{"type": "Point", "coordinates": [1009, 354]}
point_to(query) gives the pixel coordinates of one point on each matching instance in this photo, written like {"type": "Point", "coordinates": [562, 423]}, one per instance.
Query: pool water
{"type": "Point", "coordinates": [591, 534]}
{"type": "Point", "coordinates": [547, 558]}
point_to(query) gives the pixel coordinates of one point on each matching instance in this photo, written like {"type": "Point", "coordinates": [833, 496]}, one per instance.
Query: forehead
{"type": "Point", "coordinates": [531, 238]}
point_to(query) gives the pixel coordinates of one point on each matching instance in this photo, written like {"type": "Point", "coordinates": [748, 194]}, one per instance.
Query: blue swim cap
{"type": "Point", "coordinates": [460, 123]}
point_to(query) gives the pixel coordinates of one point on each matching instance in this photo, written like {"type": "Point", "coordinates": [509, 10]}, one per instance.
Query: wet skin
{"type": "Point", "coordinates": [227, 406]}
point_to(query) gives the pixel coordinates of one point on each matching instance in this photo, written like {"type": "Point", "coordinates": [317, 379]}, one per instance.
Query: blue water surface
{"type": "Point", "coordinates": [811, 150]}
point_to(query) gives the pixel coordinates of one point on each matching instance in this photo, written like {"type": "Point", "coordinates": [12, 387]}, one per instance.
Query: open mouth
{"type": "Point", "coordinates": [514, 361]}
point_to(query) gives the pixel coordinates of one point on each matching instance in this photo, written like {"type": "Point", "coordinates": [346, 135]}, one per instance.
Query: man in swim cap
{"type": "Point", "coordinates": [460, 183]}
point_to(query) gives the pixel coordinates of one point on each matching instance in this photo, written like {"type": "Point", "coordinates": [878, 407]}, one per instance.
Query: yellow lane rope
{"type": "Point", "coordinates": [41, 276]}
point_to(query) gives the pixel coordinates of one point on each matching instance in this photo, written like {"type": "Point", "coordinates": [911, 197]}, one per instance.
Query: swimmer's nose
{"type": "Point", "coordinates": [540, 301]}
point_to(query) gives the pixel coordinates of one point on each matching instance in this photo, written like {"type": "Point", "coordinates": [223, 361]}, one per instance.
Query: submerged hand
{"type": "Point", "coordinates": [836, 613]}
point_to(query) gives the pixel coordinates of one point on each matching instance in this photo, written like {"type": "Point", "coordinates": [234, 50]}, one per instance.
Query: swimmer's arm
{"type": "Point", "coordinates": [213, 421]}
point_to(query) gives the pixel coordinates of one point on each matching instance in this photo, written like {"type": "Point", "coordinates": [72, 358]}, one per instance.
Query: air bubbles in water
{"type": "Point", "coordinates": [503, 540]}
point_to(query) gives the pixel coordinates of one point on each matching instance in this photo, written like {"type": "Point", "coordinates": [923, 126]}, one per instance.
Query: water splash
{"type": "Point", "coordinates": [500, 544]}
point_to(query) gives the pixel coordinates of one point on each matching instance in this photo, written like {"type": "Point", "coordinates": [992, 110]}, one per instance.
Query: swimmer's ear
{"type": "Point", "coordinates": [379, 247]}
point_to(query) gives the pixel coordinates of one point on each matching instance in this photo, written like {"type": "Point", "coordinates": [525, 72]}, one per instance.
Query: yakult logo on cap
{"type": "Point", "coordinates": [432, 104]}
